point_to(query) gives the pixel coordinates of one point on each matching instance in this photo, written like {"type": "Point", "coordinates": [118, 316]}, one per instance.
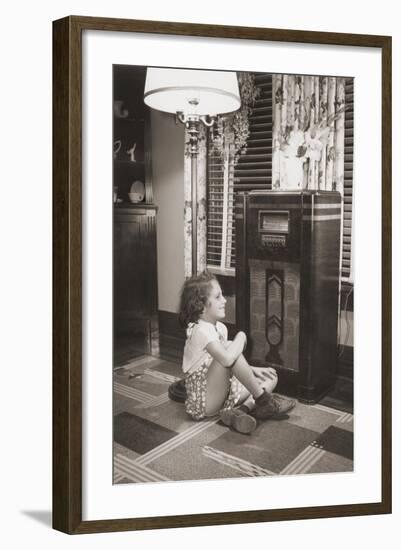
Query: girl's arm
{"type": "Point", "coordinates": [227, 356]}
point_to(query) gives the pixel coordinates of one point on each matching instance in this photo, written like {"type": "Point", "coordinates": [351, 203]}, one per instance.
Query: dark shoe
{"type": "Point", "coordinates": [290, 403]}
{"type": "Point", "coordinates": [239, 420]}
{"type": "Point", "coordinates": [269, 406]}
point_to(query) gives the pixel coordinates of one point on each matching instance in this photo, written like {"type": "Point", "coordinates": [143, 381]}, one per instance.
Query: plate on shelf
{"type": "Point", "coordinates": [137, 191]}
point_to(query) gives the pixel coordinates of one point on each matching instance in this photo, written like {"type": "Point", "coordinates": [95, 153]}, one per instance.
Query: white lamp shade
{"type": "Point", "coordinates": [192, 91]}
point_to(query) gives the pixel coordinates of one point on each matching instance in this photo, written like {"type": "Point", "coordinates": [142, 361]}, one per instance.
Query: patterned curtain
{"type": "Point", "coordinates": [308, 132]}
{"type": "Point", "coordinates": [201, 196]}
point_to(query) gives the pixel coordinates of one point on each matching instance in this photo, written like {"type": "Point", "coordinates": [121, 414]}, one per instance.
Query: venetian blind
{"type": "Point", "coordinates": [220, 219]}
{"type": "Point", "coordinates": [254, 167]}
{"type": "Point", "coordinates": [252, 171]}
{"type": "Point", "coordinates": [348, 178]}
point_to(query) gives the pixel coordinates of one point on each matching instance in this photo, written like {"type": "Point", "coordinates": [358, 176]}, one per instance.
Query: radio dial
{"type": "Point", "coordinates": [273, 241]}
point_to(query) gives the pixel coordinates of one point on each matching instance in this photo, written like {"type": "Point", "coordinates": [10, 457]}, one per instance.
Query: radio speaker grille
{"type": "Point", "coordinates": [274, 313]}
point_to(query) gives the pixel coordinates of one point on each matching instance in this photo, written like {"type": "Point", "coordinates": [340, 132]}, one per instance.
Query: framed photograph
{"type": "Point", "coordinates": [222, 275]}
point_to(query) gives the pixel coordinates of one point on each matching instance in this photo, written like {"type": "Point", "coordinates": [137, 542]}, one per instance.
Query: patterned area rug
{"type": "Point", "coordinates": [155, 440]}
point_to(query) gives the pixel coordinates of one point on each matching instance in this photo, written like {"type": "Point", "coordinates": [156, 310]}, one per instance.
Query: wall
{"type": "Point", "coordinates": [168, 190]}
{"type": "Point", "coordinates": [25, 278]}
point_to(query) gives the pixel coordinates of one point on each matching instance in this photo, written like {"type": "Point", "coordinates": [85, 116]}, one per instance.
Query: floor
{"type": "Point", "coordinates": [155, 440]}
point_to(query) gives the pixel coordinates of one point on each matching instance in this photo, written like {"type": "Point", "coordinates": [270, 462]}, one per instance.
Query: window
{"type": "Point", "coordinates": [220, 222]}
{"type": "Point", "coordinates": [254, 171]}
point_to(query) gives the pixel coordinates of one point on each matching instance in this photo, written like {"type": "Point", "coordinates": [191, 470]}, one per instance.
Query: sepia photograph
{"type": "Point", "coordinates": [222, 223]}
{"type": "Point", "coordinates": [233, 277]}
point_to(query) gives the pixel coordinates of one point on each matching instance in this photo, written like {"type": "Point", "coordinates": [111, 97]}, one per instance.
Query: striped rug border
{"type": "Point", "coordinates": [236, 463]}
{"type": "Point", "coordinates": [135, 471]}
{"type": "Point", "coordinates": [346, 418]}
{"type": "Point", "coordinates": [146, 400]}
{"type": "Point", "coordinates": [304, 461]}
{"type": "Point", "coordinates": [175, 441]}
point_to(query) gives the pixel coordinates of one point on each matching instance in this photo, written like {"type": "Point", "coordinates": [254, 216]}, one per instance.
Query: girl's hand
{"type": "Point", "coordinates": [267, 377]}
{"type": "Point", "coordinates": [270, 373]}
{"type": "Point", "coordinates": [264, 372]}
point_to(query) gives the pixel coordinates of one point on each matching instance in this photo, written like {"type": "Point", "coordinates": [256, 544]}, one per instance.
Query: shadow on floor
{"type": "Point", "coordinates": [41, 516]}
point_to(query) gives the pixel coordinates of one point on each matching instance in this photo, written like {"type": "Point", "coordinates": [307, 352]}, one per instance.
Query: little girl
{"type": "Point", "coordinates": [218, 378]}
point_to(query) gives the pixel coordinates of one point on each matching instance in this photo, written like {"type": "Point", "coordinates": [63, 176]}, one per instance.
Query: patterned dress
{"type": "Point", "coordinates": [196, 362]}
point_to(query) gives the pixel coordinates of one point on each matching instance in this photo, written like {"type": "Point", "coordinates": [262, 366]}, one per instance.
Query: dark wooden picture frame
{"type": "Point", "coordinates": [67, 274]}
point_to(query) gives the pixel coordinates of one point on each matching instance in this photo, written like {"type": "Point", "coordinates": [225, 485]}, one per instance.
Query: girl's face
{"type": "Point", "coordinates": [216, 305]}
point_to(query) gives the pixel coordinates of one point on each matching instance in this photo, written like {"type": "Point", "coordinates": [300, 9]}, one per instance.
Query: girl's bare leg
{"type": "Point", "coordinates": [217, 388]}
{"type": "Point", "coordinates": [248, 402]}
{"type": "Point", "coordinates": [244, 373]}
{"type": "Point", "coordinates": [218, 383]}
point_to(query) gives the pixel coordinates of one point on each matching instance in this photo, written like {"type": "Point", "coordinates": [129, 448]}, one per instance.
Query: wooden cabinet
{"type": "Point", "coordinates": [135, 268]}
{"type": "Point", "coordinates": [134, 223]}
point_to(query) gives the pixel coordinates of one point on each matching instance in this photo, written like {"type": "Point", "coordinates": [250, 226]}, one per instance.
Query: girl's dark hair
{"type": "Point", "coordinates": [194, 296]}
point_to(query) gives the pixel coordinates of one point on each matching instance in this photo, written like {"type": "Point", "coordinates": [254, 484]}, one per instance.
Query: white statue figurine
{"type": "Point", "coordinates": [131, 153]}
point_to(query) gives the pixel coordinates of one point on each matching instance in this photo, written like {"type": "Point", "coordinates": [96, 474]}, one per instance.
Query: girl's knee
{"type": "Point", "coordinates": [219, 368]}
